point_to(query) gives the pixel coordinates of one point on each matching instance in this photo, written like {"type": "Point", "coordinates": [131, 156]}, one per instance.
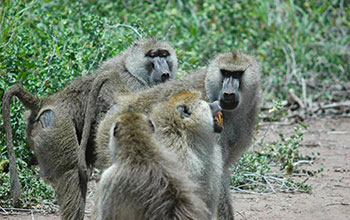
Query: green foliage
{"type": "Point", "coordinates": [274, 167]}
{"type": "Point", "coordinates": [34, 190]}
{"type": "Point", "coordinates": [45, 44]}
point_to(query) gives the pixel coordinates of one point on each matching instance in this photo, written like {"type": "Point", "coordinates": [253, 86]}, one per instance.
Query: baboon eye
{"type": "Point", "coordinates": [234, 74]}
{"type": "Point", "coordinates": [225, 73]}
{"type": "Point", "coordinates": [115, 129]}
{"type": "Point", "coordinates": [163, 53]}
{"type": "Point", "coordinates": [151, 53]}
{"type": "Point", "coordinates": [237, 74]}
{"type": "Point", "coordinates": [151, 125]}
{"type": "Point", "coordinates": [184, 111]}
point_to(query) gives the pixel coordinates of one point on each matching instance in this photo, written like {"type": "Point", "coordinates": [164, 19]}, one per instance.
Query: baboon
{"type": "Point", "coordinates": [55, 123]}
{"type": "Point", "coordinates": [185, 124]}
{"type": "Point", "coordinates": [232, 78]}
{"type": "Point", "coordinates": [145, 180]}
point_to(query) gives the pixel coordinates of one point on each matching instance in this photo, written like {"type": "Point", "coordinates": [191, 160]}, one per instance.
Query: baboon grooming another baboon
{"type": "Point", "coordinates": [233, 78]}
{"type": "Point", "coordinates": [145, 181]}
{"type": "Point", "coordinates": [55, 123]}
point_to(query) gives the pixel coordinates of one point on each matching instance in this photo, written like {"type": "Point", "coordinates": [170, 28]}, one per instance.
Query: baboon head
{"type": "Point", "coordinates": [129, 128]}
{"type": "Point", "coordinates": [185, 112]}
{"type": "Point", "coordinates": [232, 78]}
{"type": "Point", "coordinates": [152, 61]}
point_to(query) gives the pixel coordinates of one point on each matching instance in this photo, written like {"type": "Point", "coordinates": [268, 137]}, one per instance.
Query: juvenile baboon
{"type": "Point", "coordinates": [55, 123]}
{"type": "Point", "coordinates": [185, 125]}
{"type": "Point", "coordinates": [145, 181]}
{"type": "Point", "coordinates": [233, 78]}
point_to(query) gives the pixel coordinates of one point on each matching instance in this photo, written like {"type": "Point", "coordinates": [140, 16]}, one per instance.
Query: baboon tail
{"type": "Point", "coordinates": [89, 115]}
{"type": "Point", "coordinates": [31, 102]}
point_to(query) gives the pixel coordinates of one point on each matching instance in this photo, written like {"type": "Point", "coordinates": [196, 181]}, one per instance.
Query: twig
{"type": "Point", "coordinates": [169, 31]}
{"type": "Point", "coordinates": [338, 203]}
{"type": "Point", "coordinates": [127, 26]}
{"type": "Point", "coordinates": [303, 162]}
{"type": "Point", "coordinates": [296, 99]}
{"type": "Point", "coordinates": [268, 183]}
{"type": "Point", "coordinates": [337, 185]}
{"type": "Point", "coordinates": [276, 123]}
{"type": "Point", "coordinates": [22, 210]}
{"type": "Point", "coordinates": [303, 85]}
{"type": "Point", "coordinates": [330, 106]}
{"type": "Point", "coordinates": [337, 105]}
{"type": "Point", "coordinates": [3, 210]}
{"type": "Point", "coordinates": [262, 138]}
{"type": "Point", "coordinates": [246, 191]}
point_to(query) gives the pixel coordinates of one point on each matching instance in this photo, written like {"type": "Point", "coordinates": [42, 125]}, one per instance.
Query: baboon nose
{"type": "Point", "coordinates": [165, 77]}
{"type": "Point", "coordinates": [229, 96]}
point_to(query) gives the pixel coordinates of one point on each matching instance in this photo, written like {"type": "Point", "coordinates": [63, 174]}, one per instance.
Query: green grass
{"type": "Point", "coordinates": [45, 44]}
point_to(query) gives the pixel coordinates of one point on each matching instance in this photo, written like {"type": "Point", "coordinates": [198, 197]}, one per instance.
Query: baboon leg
{"type": "Point", "coordinates": [71, 193]}
{"type": "Point", "coordinates": [57, 151]}
{"type": "Point", "coordinates": [225, 211]}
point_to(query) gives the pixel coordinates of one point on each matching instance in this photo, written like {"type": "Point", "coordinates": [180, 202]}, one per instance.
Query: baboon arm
{"type": "Point", "coordinates": [31, 102]}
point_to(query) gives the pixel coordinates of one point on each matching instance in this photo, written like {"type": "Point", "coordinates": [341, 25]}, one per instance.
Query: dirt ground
{"type": "Point", "coordinates": [330, 196]}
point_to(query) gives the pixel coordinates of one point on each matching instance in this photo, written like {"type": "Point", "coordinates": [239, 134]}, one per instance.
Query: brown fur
{"type": "Point", "coordinates": [145, 181]}
{"type": "Point", "coordinates": [62, 161]}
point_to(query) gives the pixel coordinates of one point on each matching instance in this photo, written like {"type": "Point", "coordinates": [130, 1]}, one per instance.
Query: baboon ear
{"type": "Point", "coordinates": [115, 129]}
{"type": "Point", "coordinates": [184, 111]}
{"type": "Point", "coordinates": [151, 125]}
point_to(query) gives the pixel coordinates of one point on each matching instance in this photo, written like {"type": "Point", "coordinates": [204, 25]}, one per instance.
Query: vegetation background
{"type": "Point", "coordinates": [303, 48]}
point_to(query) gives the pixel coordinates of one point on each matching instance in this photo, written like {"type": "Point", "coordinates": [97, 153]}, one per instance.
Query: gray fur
{"type": "Point", "coordinates": [239, 124]}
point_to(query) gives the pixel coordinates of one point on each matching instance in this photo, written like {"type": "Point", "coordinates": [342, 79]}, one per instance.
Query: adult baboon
{"type": "Point", "coordinates": [145, 181]}
{"type": "Point", "coordinates": [55, 123]}
{"type": "Point", "coordinates": [233, 78]}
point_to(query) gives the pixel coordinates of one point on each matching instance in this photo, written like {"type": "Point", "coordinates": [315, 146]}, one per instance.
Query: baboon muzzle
{"type": "Point", "coordinates": [161, 71]}
{"type": "Point", "coordinates": [230, 97]}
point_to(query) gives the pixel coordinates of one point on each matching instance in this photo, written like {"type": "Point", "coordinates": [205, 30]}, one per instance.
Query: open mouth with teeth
{"type": "Point", "coordinates": [218, 121]}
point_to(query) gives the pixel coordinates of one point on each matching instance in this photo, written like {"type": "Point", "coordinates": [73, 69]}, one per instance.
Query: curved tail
{"type": "Point", "coordinates": [31, 102]}
{"type": "Point", "coordinates": [89, 116]}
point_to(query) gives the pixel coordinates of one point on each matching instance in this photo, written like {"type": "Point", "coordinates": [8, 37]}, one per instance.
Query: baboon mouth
{"type": "Point", "coordinates": [218, 121]}
{"type": "Point", "coordinates": [228, 106]}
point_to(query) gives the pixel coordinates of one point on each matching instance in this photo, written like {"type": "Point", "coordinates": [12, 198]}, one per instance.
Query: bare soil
{"type": "Point", "coordinates": [330, 196]}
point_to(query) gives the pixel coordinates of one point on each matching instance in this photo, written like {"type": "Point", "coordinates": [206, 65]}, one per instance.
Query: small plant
{"type": "Point", "coordinates": [273, 166]}
{"type": "Point", "coordinates": [34, 190]}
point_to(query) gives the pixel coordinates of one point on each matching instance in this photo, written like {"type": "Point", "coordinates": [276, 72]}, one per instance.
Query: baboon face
{"type": "Point", "coordinates": [186, 112]}
{"type": "Point", "coordinates": [198, 114]}
{"type": "Point", "coordinates": [154, 61]}
{"type": "Point", "coordinates": [229, 96]}
{"type": "Point", "coordinates": [230, 77]}
{"type": "Point", "coordinates": [160, 65]}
